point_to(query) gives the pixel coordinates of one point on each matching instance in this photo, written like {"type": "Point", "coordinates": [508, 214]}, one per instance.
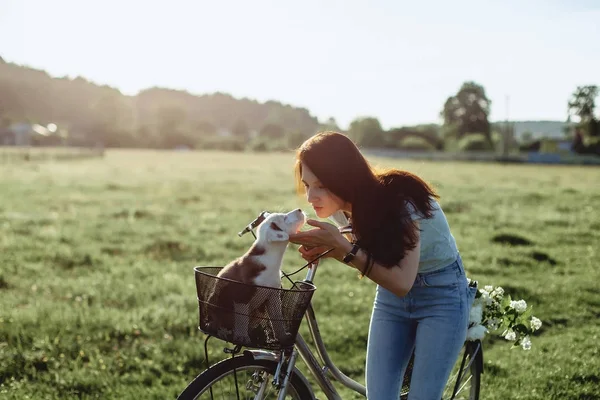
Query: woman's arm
{"type": "Point", "coordinates": [397, 279]}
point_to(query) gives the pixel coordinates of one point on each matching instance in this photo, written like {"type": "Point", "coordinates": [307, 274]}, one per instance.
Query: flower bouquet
{"type": "Point", "coordinates": [495, 312]}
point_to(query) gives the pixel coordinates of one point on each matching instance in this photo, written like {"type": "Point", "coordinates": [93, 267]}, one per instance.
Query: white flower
{"type": "Point", "coordinates": [485, 298]}
{"type": "Point", "coordinates": [536, 323]}
{"type": "Point", "coordinates": [489, 313]}
{"type": "Point", "coordinates": [498, 292]}
{"type": "Point", "coordinates": [493, 323]}
{"type": "Point", "coordinates": [476, 332]}
{"type": "Point", "coordinates": [475, 314]}
{"type": "Point", "coordinates": [510, 335]}
{"type": "Point", "coordinates": [519, 305]}
{"type": "Point", "coordinates": [526, 343]}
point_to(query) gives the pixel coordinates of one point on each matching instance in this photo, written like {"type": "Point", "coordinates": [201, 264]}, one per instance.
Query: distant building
{"type": "Point", "coordinates": [23, 134]}
{"type": "Point", "coordinates": [224, 132]}
{"type": "Point", "coordinates": [554, 145]}
{"type": "Point", "coordinates": [552, 151]}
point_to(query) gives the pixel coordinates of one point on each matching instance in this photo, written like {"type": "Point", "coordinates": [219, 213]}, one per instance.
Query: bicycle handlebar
{"type": "Point", "coordinates": [346, 229]}
{"type": "Point", "coordinates": [261, 217]}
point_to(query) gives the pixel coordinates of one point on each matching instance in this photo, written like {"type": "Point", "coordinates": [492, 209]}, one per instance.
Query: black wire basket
{"type": "Point", "coordinates": [248, 315]}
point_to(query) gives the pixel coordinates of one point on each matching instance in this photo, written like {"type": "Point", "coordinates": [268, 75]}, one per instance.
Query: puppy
{"type": "Point", "coordinates": [260, 265]}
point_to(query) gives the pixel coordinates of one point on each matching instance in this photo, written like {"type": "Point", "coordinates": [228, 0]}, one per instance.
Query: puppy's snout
{"type": "Point", "coordinates": [297, 213]}
{"type": "Point", "coordinates": [296, 219]}
{"type": "Point", "coordinates": [300, 215]}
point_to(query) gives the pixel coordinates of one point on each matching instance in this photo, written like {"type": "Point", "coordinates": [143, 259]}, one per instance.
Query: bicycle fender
{"type": "Point", "coordinates": [481, 359]}
{"type": "Point", "coordinates": [261, 355]}
{"type": "Point", "coordinates": [270, 356]}
{"type": "Point", "coordinates": [479, 356]}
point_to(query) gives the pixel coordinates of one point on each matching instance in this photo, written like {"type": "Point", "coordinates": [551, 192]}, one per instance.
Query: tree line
{"type": "Point", "coordinates": [466, 126]}
{"type": "Point", "coordinates": [89, 114]}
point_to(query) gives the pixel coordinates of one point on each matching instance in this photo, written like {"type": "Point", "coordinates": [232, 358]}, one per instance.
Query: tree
{"type": "Point", "coordinates": [366, 132]}
{"type": "Point", "coordinates": [109, 120]}
{"type": "Point", "coordinates": [240, 129]}
{"type": "Point", "coordinates": [467, 112]}
{"type": "Point", "coordinates": [396, 137]}
{"type": "Point", "coordinates": [330, 125]}
{"type": "Point", "coordinates": [272, 131]}
{"type": "Point", "coordinates": [594, 127]}
{"type": "Point", "coordinates": [295, 139]}
{"type": "Point", "coordinates": [170, 118]}
{"type": "Point", "coordinates": [205, 128]}
{"type": "Point", "coordinates": [172, 123]}
{"type": "Point", "coordinates": [583, 103]}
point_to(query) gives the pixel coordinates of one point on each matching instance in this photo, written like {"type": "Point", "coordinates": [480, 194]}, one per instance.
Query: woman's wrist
{"type": "Point", "coordinates": [359, 262]}
{"type": "Point", "coordinates": [343, 248]}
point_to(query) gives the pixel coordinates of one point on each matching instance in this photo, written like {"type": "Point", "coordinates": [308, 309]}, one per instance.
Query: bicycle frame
{"type": "Point", "coordinates": [320, 369]}
{"type": "Point", "coordinates": [317, 369]}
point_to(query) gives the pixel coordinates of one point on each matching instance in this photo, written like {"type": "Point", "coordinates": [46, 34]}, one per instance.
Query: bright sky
{"type": "Point", "coordinates": [397, 60]}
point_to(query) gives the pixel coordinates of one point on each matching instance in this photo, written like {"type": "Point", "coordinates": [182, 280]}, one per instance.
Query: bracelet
{"type": "Point", "coordinates": [364, 272]}
{"type": "Point", "coordinates": [351, 254]}
{"type": "Point", "coordinates": [370, 267]}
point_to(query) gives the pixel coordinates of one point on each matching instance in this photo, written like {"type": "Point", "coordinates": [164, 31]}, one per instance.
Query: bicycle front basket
{"type": "Point", "coordinates": [248, 315]}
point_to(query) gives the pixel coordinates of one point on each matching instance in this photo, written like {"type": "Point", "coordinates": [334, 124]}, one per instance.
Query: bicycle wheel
{"type": "Point", "coordinates": [465, 379]}
{"type": "Point", "coordinates": [251, 376]}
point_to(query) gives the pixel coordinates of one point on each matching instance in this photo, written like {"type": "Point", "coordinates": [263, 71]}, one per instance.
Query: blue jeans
{"type": "Point", "coordinates": [432, 320]}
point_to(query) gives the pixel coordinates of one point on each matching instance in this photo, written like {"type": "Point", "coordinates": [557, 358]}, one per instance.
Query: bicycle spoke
{"type": "Point", "coordinates": [252, 383]}
{"type": "Point", "coordinates": [462, 379]}
{"type": "Point", "coordinates": [465, 373]}
{"type": "Point", "coordinates": [463, 385]}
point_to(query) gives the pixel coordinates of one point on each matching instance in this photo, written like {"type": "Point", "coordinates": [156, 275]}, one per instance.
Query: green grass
{"type": "Point", "coordinates": [97, 295]}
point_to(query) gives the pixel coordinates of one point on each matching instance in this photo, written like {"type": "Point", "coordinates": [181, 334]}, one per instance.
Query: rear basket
{"type": "Point", "coordinates": [252, 316]}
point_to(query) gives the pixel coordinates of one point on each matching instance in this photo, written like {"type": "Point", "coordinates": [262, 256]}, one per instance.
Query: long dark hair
{"type": "Point", "coordinates": [381, 199]}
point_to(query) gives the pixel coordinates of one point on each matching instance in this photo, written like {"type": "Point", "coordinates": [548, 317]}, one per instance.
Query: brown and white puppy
{"type": "Point", "coordinates": [259, 266]}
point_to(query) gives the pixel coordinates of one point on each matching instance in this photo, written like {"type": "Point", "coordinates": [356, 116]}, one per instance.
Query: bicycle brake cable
{"type": "Point", "coordinates": [305, 265]}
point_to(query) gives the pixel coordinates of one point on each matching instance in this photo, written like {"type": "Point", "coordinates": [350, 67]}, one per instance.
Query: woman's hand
{"type": "Point", "coordinates": [317, 241]}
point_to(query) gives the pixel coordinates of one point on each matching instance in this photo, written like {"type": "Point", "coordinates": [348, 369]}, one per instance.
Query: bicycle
{"type": "Point", "coordinates": [266, 369]}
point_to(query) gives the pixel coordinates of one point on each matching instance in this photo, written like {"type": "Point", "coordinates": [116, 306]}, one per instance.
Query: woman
{"type": "Point", "coordinates": [404, 245]}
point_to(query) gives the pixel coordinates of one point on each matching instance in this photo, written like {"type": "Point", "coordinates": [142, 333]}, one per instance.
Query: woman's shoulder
{"type": "Point", "coordinates": [415, 214]}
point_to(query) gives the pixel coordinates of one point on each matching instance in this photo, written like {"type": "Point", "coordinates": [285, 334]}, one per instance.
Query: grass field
{"type": "Point", "coordinates": [97, 295]}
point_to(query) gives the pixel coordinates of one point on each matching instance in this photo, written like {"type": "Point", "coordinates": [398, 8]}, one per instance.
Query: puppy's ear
{"type": "Point", "coordinates": [277, 236]}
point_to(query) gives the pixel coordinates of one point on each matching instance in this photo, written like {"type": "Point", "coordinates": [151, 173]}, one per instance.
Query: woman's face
{"type": "Point", "coordinates": [322, 200]}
